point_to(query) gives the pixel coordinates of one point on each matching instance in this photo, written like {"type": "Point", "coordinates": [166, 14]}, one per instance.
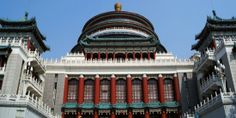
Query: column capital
{"type": "Point", "coordinates": [144, 76]}
{"type": "Point", "coordinates": [175, 75]}
{"type": "Point", "coordinates": [97, 76]}
{"type": "Point", "coordinates": [129, 76]}
{"type": "Point", "coordinates": [113, 76]}
{"type": "Point", "coordinates": [66, 76]}
{"type": "Point", "coordinates": [81, 76]}
{"type": "Point", "coordinates": [160, 75]}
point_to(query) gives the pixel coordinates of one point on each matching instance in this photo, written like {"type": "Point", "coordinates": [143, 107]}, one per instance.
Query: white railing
{"type": "Point", "coordinates": [34, 83]}
{"type": "Point", "coordinates": [20, 43]}
{"type": "Point", "coordinates": [188, 115]}
{"type": "Point", "coordinates": [211, 80]}
{"type": "Point", "coordinates": [209, 54]}
{"type": "Point", "coordinates": [221, 98]}
{"type": "Point", "coordinates": [120, 62]}
{"type": "Point", "coordinates": [2, 69]}
{"type": "Point", "coordinates": [37, 105]}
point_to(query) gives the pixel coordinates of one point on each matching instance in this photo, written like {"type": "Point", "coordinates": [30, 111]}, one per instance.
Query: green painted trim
{"type": "Point", "coordinates": [70, 105]}
{"type": "Point", "coordinates": [120, 106]}
{"type": "Point", "coordinates": [104, 106]}
{"type": "Point", "coordinates": [87, 106]}
{"type": "Point", "coordinates": [137, 105]}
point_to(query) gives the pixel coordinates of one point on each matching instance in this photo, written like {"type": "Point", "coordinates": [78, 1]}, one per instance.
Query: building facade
{"type": "Point", "coordinates": [119, 68]}
{"type": "Point", "coordinates": [22, 74]}
{"type": "Point", "coordinates": [215, 68]}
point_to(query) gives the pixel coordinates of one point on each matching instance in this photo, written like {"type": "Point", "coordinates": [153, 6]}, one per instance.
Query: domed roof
{"type": "Point", "coordinates": [118, 26]}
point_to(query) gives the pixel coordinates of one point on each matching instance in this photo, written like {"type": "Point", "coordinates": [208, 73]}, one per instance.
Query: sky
{"type": "Point", "coordinates": [176, 22]}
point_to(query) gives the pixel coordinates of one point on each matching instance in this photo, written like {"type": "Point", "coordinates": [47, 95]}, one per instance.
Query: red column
{"type": "Point", "coordinates": [145, 89]}
{"type": "Point", "coordinates": [28, 44]}
{"type": "Point", "coordinates": [91, 56]}
{"type": "Point", "coordinates": [129, 89]}
{"type": "Point", "coordinates": [147, 115]}
{"type": "Point", "coordinates": [163, 114]}
{"type": "Point", "coordinates": [113, 89]}
{"type": "Point", "coordinates": [161, 88]}
{"type": "Point", "coordinates": [113, 115]}
{"type": "Point", "coordinates": [81, 90]}
{"type": "Point", "coordinates": [149, 56]}
{"type": "Point", "coordinates": [95, 114]}
{"type": "Point", "coordinates": [141, 55]}
{"type": "Point", "coordinates": [97, 89]}
{"type": "Point", "coordinates": [114, 55]}
{"type": "Point", "coordinates": [177, 90]}
{"type": "Point", "coordinates": [106, 55]}
{"type": "Point", "coordinates": [62, 115]}
{"type": "Point", "coordinates": [134, 56]}
{"type": "Point", "coordinates": [79, 115]}
{"type": "Point", "coordinates": [130, 114]}
{"type": "Point", "coordinates": [65, 89]}
{"type": "Point", "coordinates": [99, 55]}
{"type": "Point", "coordinates": [154, 55]}
{"type": "Point", "coordinates": [126, 55]}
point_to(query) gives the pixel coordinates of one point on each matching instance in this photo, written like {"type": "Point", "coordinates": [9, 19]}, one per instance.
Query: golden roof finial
{"type": "Point", "coordinates": [118, 7]}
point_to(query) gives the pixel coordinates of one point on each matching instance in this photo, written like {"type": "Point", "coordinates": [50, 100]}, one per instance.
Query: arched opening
{"type": "Point", "coordinates": [72, 90]}
{"type": "Point", "coordinates": [145, 55]}
{"type": "Point", "coordinates": [137, 90]}
{"type": "Point", "coordinates": [130, 56]}
{"type": "Point", "coordinates": [137, 55]}
{"type": "Point", "coordinates": [88, 90]}
{"type": "Point", "coordinates": [110, 55]}
{"type": "Point", "coordinates": [168, 90]}
{"type": "Point", "coordinates": [121, 91]}
{"type": "Point", "coordinates": [152, 90]}
{"type": "Point", "coordinates": [95, 56]}
{"type": "Point", "coordinates": [120, 56]}
{"type": "Point", "coordinates": [89, 56]}
{"type": "Point", "coordinates": [105, 91]}
{"type": "Point", "coordinates": [152, 55]}
{"type": "Point", "coordinates": [103, 56]}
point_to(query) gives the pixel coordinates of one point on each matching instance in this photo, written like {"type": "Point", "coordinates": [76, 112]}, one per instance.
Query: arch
{"type": "Point", "coordinates": [105, 90]}
{"type": "Point", "coordinates": [137, 90]}
{"type": "Point", "coordinates": [103, 56]}
{"type": "Point", "coordinates": [88, 90]}
{"type": "Point", "coordinates": [72, 90]}
{"type": "Point", "coordinates": [95, 55]}
{"type": "Point", "coordinates": [137, 55]}
{"type": "Point", "coordinates": [152, 90]}
{"type": "Point", "coordinates": [89, 56]}
{"type": "Point", "coordinates": [130, 56]}
{"type": "Point", "coordinates": [121, 90]}
{"type": "Point", "coordinates": [120, 56]}
{"type": "Point", "coordinates": [152, 55]}
{"type": "Point", "coordinates": [145, 55]}
{"type": "Point", "coordinates": [168, 90]}
{"type": "Point", "coordinates": [110, 56]}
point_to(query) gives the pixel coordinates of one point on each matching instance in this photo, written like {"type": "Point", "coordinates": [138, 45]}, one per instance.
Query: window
{"type": "Point", "coordinates": [152, 90]}
{"type": "Point", "coordinates": [105, 90]}
{"type": "Point", "coordinates": [136, 90]}
{"type": "Point", "coordinates": [88, 91]}
{"type": "Point", "coordinates": [72, 90]}
{"type": "Point", "coordinates": [168, 90]}
{"type": "Point", "coordinates": [121, 91]}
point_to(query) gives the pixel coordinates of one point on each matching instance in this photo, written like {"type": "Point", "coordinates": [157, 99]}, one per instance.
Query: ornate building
{"type": "Point", "coordinates": [119, 68]}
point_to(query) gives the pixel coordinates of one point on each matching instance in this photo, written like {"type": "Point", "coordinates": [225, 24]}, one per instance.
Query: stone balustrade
{"type": "Point", "coordinates": [209, 55]}
{"type": "Point", "coordinates": [218, 100]}
{"type": "Point", "coordinates": [209, 82]}
{"type": "Point", "coordinates": [26, 100]}
{"type": "Point", "coordinates": [163, 61]}
{"type": "Point", "coordinates": [188, 115]}
{"type": "Point", "coordinates": [15, 42]}
{"type": "Point", "coordinates": [32, 81]}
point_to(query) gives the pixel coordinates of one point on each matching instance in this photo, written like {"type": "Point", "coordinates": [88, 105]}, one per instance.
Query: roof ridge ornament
{"type": "Point", "coordinates": [26, 15]}
{"type": "Point", "coordinates": [118, 7]}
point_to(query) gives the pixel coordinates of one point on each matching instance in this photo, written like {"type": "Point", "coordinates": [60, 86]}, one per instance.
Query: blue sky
{"type": "Point", "coordinates": [176, 22]}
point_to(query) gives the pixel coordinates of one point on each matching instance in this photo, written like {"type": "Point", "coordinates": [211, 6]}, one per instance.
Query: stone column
{"type": "Point", "coordinates": [147, 115]}
{"type": "Point", "coordinates": [97, 90]}
{"type": "Point", "coordinates": [129, 89]}
{"type": "Point", "coordinates": [130, 115]}
{"type": "Point", "coordinates": [149, 57]}
{"type": "Point", "coordinates": [65, 89]}
{"type": "Point", "coordinates": [113, 89]}
{"type": "Point", "coordinates": [163, 114]}
{"type": "Point", "coordinates": [145, 89]}
{"type": "Point", "coordinates": [161, 89]}
{"type": "Point", "coordinates": [177, 90]}
{"type": "Point", "coordinates": [81, 90]}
